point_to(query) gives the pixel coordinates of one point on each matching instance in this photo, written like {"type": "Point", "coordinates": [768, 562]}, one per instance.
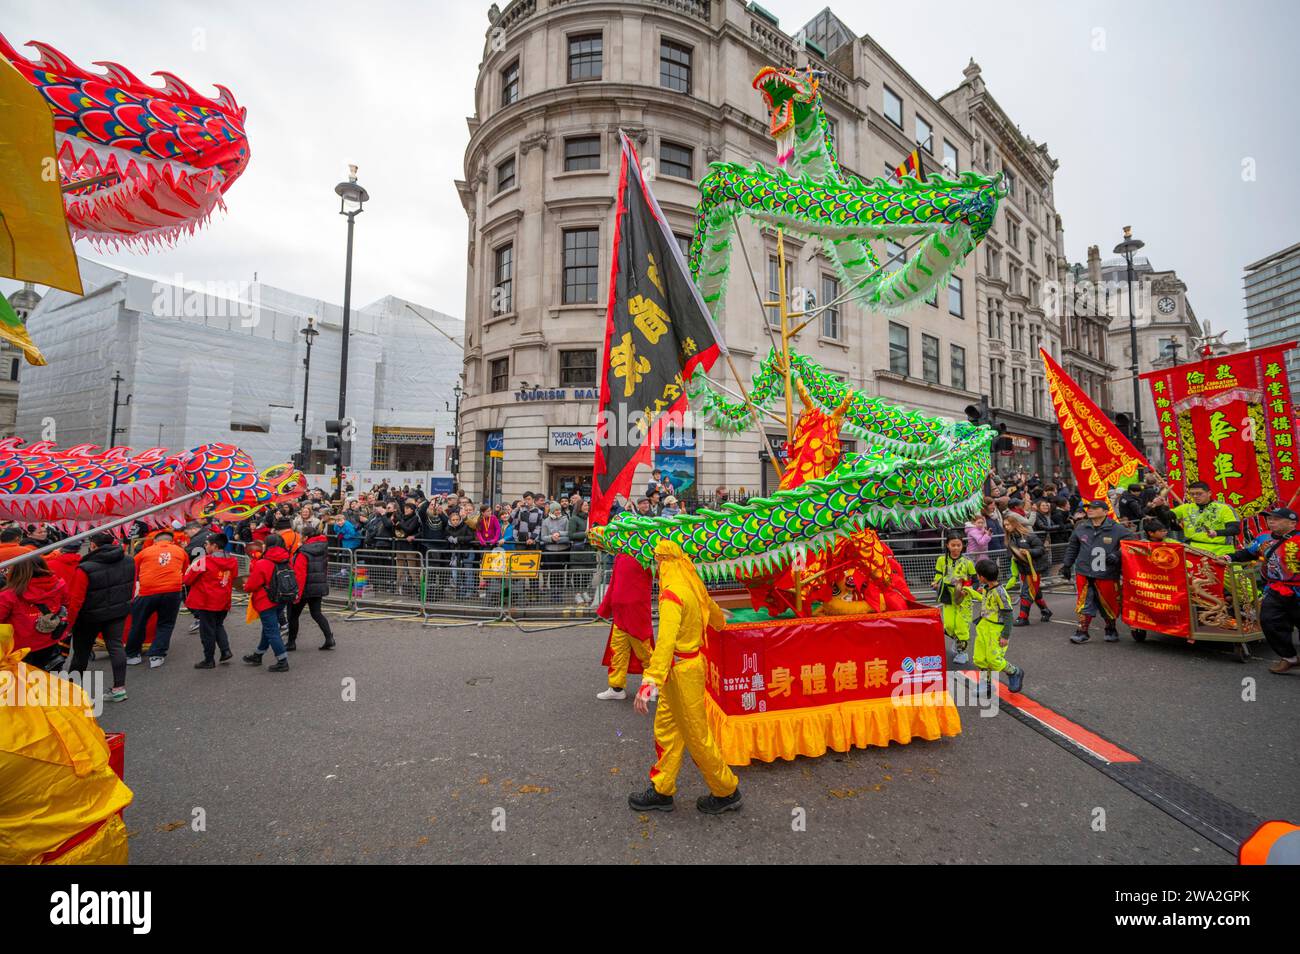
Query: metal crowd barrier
{"type": "Point", "coordinates": [453, 584]}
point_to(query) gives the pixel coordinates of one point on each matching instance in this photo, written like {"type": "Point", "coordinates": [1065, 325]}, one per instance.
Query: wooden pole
{"type": "Point", "coordinates": [758, 415]}
{"type": "Point", "coordinates": [784, 305]}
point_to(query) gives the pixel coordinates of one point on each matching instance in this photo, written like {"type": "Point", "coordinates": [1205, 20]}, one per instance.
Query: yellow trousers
{"type": "Point", "coordinates": [956, 620]}
{"type": "Point", "coordinates": [681, 724]}
{"type": "Point", "coordinates": [989, 653]}
{"type": "Point", "coordinates": [624, 645]}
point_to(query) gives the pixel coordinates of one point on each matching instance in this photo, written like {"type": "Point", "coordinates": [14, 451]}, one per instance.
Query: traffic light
{"type": "Point", "coordinates": [1124, 421]}
{"type": "Point", "coordinates": [980, 414]}
{"type": "Point", "coordinates": [338, 443]}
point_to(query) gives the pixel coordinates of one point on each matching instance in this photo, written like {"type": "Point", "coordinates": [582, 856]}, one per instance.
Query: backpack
{"type": "Point", "coordinates": [51, 623]}
{"type": "Point", "coordinates": [283, 585]}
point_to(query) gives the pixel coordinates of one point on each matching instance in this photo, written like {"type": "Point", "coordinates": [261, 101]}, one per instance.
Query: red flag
{"type": "Point", "coordinates": [1230, 421]}
{"type": "Point", "coordinates": [1100, 456]}
{"type": "Point", "coordinates": [658, 332]}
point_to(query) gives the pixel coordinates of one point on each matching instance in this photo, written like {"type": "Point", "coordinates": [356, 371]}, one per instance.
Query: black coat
{"type": "Point", "coordinates": [110, 576]}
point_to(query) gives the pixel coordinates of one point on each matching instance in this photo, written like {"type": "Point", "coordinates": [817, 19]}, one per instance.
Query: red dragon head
{"type": "Point", "coordinates": [138, 164]}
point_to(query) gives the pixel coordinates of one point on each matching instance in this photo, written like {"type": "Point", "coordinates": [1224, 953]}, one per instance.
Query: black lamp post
{"type": "Point", "coordinates": [455, 459]}
{"type": "Point", "coordinates": [351, 200]}
{"type": "Point", "coordinates": [310, 334]}
{"type": "Point", "coordinates": [117, 380]}
{"type": "Point", "coordinates": [1127, 248]}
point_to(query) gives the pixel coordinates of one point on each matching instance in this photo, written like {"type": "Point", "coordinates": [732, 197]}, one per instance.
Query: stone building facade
{"type": "Point", "coordinates": [23, 302]}
{"type": "Point", "coordinates": [1021, 257]}
{"type": "Point", "coordinates": [558, 80]}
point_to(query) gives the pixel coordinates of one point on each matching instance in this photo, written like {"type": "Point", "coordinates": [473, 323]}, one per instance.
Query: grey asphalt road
{"type": "Point", "coordinates": [486, 744]}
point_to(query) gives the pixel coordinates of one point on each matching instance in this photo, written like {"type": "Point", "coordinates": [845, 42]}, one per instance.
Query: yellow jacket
{"type": "Point", "coordinates": [684, 608]}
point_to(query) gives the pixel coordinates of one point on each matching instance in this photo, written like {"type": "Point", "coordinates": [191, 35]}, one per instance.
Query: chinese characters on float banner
{"type": "Point", "coordinates": [1230, 422]}
{"type": "Point", "coordinates": [798, 663]}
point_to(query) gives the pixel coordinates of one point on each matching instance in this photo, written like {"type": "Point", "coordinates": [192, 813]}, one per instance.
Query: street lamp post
{"type": "Point", "coordinates": [1127, 248]}
{"type": "Point", "coordinates": [455, 460]}
{"type": "Point", "coordinates": [352, 197]}
{"type": "Point", "coordinates": [310, 334]}
{"type": "Point", "coordinates": [117, 380]}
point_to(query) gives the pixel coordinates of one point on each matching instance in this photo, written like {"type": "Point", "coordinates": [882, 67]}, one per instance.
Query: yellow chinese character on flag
{"type": "Point", "coordinates": [650, 319]}
{"type": "Point", "coordinates": [653, 273]}
{"type": "Point", "coordinates": [628, 365]}
{"type": "Point", "coordinates": [779, 684]}
{"type": "Point", "coordinates": [813, 678]}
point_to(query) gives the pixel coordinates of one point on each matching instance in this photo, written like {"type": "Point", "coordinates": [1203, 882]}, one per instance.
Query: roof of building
{"type": "Point", "coordinates": [1270, 259]}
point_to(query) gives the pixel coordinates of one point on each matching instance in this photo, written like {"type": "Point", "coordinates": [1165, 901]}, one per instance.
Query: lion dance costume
{"type": "Point", "coordinates": [677, 669]}
{"type": "Point", "coordinates": [631, 634]}
{"type": "Point", "coordinates": [62, 801]}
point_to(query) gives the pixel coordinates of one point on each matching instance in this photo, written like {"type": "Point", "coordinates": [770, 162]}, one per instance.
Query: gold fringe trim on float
{"type": "Point", "coordinates": [784, 734]}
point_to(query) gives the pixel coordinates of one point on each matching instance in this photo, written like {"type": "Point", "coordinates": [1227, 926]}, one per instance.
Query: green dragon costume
{"type": "Point", "coordinates": [914, 469]}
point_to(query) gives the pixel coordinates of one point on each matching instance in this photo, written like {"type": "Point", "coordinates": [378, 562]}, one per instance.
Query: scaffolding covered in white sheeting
{"type": "Point", "coordinates": [223, 362]}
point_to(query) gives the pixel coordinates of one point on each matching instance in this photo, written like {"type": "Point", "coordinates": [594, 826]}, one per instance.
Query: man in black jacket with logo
{"type": "Point", "coordinates": [1092, 557]}
{"type": "Point", "coordinates": [110, 584]}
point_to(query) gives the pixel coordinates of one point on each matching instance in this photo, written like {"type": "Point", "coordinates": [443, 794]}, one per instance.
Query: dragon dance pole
{"type": "Point", "coordinates": [86, 534]}
{"type": "Point", "coordinates": [785, 332]}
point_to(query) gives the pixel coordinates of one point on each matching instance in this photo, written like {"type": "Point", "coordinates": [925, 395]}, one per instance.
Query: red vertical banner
{"type": "Point", "coordinates": [1230, 422]}
{"type": "Point", "coordinates": [1155, 587]}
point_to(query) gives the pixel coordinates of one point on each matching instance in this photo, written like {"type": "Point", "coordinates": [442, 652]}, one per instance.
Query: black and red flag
{"type": "Point", "coordinates": [910, 166]}
{"type": "Point", "coordinates": [658, 332]}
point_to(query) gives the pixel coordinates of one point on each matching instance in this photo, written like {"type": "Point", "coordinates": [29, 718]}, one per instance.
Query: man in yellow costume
{"type": "Point", "coordinates": [62, 801]}
{"type": "Point", "coordinates": [677, 673]}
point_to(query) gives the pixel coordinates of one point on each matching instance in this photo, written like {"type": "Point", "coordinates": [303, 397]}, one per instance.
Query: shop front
{"type": "Point", "coordinates": [570, 456]}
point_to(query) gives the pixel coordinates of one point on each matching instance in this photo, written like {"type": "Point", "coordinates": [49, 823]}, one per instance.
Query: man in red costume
{"type": "Point", "coordinates": [631, 636]}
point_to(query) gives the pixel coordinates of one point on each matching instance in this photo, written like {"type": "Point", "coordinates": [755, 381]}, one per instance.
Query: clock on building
{"type": "Point", "coordinates": [1166, 305]}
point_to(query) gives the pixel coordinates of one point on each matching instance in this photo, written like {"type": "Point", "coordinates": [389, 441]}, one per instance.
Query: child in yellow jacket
{"type": "Point", "coordinates": [992, 631]}
{"type": "Point", "coordinates": [954, 573]}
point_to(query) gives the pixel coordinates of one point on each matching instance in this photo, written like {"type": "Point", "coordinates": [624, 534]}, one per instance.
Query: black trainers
{"type": "Point", "coordinates": [1080, 636]}
{"type": "Point", "coordinates": [1015, 682]}
{"type": "Point", "coordinates": [1112, 636]}
{"type": "Point", "coordinates": [1022, 621]}
{"type": "Point", "coordinates": [205, 664]}
{"type": "Point", "coordinates": [1046, 617]}
{"type": "Point", "coordinates": [281, 665]}
{"type": "Point", "coordinates": [329, 643]}
{"type": "Point", "coordinates": [253, 659]}
{"type": "Point", "coordinates": [649, 800]}
{"type": "Point", "coordinates": [227, 656]}
{"type": "Point", "coordinates": [713, 805]}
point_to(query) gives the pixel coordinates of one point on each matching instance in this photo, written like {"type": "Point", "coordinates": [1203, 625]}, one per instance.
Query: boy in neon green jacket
{"type": "Point", "coordinates": [992, 631]}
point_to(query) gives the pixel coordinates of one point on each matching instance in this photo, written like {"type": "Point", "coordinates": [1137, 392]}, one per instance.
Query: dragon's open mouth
{"type": "Point", "coordinates": [103, 184]}
{"type": "Point", "coordinates": [778, 89]}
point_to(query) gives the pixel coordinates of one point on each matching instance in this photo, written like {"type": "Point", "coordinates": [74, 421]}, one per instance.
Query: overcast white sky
{"type": "Point", "coordinates": [1152, 108]}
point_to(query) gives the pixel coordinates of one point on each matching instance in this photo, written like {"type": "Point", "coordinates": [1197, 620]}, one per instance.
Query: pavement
{"type": "Point", "coordinates": [483, 743]}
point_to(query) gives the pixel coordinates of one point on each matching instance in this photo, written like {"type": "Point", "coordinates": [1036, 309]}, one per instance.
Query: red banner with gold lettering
{"type": "Point", "coordinates": [1230, 422]}
{"type": "Point", "coordinates": [1155, 587]}
{"type": "Point", "coordinates": [1101, 457]}
{"type": "Point", "coordinates": [795, 663]}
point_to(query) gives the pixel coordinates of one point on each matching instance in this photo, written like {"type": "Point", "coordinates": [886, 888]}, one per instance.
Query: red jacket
{"type": "Point", "coordinates": [260, 575]}
{"type": "Point", "coordinates": [21, 613]}
{"type": "Point", "coordinates": [64, 565]}
{"type": "Point", "coordinates": [210, 579]}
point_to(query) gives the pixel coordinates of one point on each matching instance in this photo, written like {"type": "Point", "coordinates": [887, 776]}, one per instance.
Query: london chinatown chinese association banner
{"type": "Point", "coordinates": [1166, 583]}
{"type": "Point", "coordinates": [658, 331]}
{"type": "Point", "coordinates": [1230, 422]}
